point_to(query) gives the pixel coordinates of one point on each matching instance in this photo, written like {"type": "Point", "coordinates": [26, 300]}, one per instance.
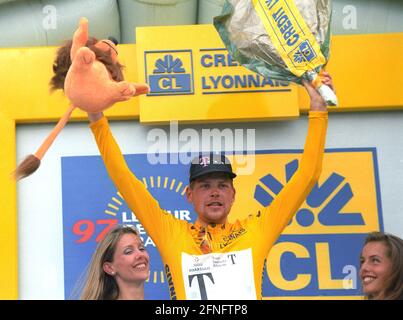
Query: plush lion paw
{"type": "Point", "coordinates": [128, 90]}
{"type": "Point", "coordinates": [84, 58]}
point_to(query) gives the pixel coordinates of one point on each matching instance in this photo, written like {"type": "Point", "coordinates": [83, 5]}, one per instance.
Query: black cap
{"type": "Point", "coordinates": [209, 163]}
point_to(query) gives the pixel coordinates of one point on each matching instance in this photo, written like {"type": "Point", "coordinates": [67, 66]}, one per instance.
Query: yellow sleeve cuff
{"type": "Point", "coordinates": [318, 114]}
{"type": "Point", "coordinates": [99, 123]}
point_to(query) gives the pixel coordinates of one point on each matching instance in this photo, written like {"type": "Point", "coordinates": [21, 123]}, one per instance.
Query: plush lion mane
{"type": "Point", "coordinates": [62, 63]}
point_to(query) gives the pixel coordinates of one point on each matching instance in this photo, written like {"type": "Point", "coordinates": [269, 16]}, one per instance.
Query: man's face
{"type": "Point", "coordinates": [212, 197]}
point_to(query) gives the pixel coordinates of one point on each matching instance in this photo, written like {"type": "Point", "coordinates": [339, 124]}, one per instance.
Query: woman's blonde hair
{"type": "Point", "coordinates": [98, 284]}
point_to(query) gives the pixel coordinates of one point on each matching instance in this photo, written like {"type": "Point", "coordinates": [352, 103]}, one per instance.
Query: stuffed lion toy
{"type": "Point", "coordinates": [91, 76]}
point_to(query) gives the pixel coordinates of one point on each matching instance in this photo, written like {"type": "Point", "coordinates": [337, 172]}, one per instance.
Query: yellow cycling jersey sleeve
{"type": "Point", "coordinates": [156, 221]}
{"type": "Point", "coordinates": [276, 216]}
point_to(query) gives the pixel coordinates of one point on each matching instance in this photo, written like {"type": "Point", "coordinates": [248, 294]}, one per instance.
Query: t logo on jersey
{"type": "Point", "coordinates": [169, 72]}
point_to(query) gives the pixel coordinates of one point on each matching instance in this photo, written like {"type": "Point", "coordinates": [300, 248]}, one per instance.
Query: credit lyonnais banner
{"type": "Point", "coordinates": [193, 78]}
{"type": "Point", "coordinates": [290, 34]}
{"type": "Point", "coordinates": [316, 256]}
{"type": "Point", "coordinates": [284, 40]}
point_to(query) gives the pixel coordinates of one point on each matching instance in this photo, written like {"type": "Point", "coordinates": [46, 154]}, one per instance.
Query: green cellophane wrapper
{"type": "Point", "coordinates": [247, 40]}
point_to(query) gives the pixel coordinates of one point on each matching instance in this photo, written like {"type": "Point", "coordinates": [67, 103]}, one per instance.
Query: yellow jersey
{"type": "Point", "coordinates": [234, 269]}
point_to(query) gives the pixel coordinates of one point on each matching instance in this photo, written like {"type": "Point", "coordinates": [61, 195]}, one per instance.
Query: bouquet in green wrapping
{"type": "Point", "coordinates": [280, 39]}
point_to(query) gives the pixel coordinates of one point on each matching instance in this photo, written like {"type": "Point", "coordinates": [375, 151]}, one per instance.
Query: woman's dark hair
{"type": "Point", "coordinates": [394, 286]}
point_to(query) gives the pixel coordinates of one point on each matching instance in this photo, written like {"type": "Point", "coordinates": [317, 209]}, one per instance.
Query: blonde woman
{"type": "Point", "coordinates": [118, 268]}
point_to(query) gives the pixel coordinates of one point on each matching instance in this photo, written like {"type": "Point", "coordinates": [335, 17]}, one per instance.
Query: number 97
{"type": "Point", "coordinates": [86, 229]}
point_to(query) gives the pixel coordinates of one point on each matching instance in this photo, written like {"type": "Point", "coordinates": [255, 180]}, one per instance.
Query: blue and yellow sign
{"type": "Point", "coordinates": [169, 72]}
{"type": "Point", "coordinates": [318, 252]}
{"type": "Point", "coordinates": [316, 256]}
{"type": "Point", "coordinates": [193, 78]}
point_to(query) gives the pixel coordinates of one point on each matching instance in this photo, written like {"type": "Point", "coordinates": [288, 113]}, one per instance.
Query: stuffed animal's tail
{"type": "Point", "coordinates": [31, 163]}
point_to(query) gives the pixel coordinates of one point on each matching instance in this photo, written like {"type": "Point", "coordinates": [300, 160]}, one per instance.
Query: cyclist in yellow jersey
{"type": "Point", "coordinates": [212, 258]}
